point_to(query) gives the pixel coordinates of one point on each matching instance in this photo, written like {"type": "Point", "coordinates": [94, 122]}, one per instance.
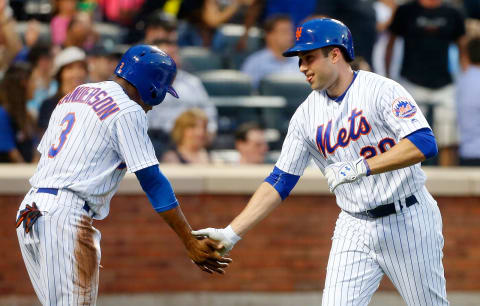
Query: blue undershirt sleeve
{"type": "Point", "coordinates": [157, 187]}
{"type": "Point", "coordinates": [282, 181]}
{"type": "Point", "coordinates": [424, 140]}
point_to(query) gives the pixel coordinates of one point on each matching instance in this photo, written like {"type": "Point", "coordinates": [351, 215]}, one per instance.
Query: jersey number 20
{"type": "Point", "coordinates": [54, 149]}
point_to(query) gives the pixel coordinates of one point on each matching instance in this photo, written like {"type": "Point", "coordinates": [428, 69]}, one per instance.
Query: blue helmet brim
{"type": "Point", "coordinates": [293, 51]}
{"type": "Point", "coordinates": [172, 91]}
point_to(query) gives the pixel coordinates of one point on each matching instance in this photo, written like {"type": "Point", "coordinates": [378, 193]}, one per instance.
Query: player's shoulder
{"type": "Point", "coordinates": [373, 81]}
{"type": "Point", "coordinates": [315, 97]}
{"type": "Point", "coordinates": [118, 94]}
{"type": "Point", "coordinates": [120, 98]}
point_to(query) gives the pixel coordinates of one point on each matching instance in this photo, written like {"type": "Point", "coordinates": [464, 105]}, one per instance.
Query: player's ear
{"type": "Point", "coordinates": [335, 54]}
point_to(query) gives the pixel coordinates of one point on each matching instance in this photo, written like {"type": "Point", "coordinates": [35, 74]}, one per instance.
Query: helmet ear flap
{"type": "Point", "coordinates": [157, 95]}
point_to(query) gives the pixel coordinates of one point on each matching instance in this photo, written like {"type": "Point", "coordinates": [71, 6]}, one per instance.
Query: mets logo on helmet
{"type": "Point", "coordinates": [298, 34]}
{"type": "Point", "coordinates": [402, 108]}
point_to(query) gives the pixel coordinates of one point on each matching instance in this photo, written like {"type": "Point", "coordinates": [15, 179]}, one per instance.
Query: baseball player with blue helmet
{"type": "Point", "coordinates": [96, 134]}
{"type": "Point", "coordinates": [367, 136]}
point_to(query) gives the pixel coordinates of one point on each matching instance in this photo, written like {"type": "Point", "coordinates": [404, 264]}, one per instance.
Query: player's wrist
{"type": "Point", "coordinates": [231, 235]}
{"type": "Point", "coordinates": [362, 167]}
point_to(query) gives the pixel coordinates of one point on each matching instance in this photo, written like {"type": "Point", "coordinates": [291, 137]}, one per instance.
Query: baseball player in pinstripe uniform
{"type": "Point", "coordinates": [367, 136]}
{"type": "Point", "coordinates": [96, 133]}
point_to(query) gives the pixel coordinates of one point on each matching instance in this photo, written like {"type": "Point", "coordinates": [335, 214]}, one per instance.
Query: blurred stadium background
{"type": "Point", "coordinates": [282, 261]}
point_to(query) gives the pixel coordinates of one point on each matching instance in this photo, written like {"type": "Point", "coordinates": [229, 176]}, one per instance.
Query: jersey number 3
{"type": "Point", "coordinates": [54, 149]}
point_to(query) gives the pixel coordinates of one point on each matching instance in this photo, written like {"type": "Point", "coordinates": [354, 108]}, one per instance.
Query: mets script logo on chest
{"type": "Point", "coordinates": [358, 126]}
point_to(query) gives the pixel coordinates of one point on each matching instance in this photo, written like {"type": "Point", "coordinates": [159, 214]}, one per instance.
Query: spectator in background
{"type": "Point", "coordinates": [189, 135]}
{"type": "Point", "coordinates": [10, 43]}
{"type": "Point", "coordinates": [468, 105]}
{"type": "Point", "coordinates": [101, 63]}
{"type": "Point", "coordinates": [160, 26]}
{"type": "Point", "coordinates": [41, 85]}
{"type": "Point", "coordinates": [69, 71]}
{"type": "Point", "coordinates": [264, 9]}
{"type": "Point", "coordinates": [472, 8]}
{"type": "Point", "coordinates": [192, 94]}
{"type": "Point", "coordinates": [428, 27]}
{"type": "Point", "coordinates": [64, 11]}
{"type": "Point", "coordinates": [360, 18]}
{"type": "Point", "coordinates": [80, 32]}
{"type": "Point", "coordinates": [250, 143]}
{"type": "Point", "coordinates": [122, 12]}
{"type": "Point", "coordinates": [278, 38]}
{"type": "Point", "coordinates": [359, 63]}
{"type": "Point", "coordinates": [17, 127]}
{"type": "Point", "coordinates": [31, 37]}
{"type": "Point", "coordinates": [201, 18]}
{"type": "Point", "coordinates": [384, 10]}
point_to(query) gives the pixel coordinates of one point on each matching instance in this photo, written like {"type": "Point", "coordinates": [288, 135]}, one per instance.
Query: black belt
{"type": "Point", "coordinates": [388, 209]}
{"type": "Point", "coordinates": [54, 191]}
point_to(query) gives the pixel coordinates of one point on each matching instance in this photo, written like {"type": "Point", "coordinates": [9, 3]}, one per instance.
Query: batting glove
{"type": "Point", "coordinates": [226, 236]}
{"type": "Point", "coordinates": [346, 172]}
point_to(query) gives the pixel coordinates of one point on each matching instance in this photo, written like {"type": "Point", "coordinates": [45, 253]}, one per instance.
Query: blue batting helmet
{"type": "Point", "coordinates": [150, 70]}
{"type": "Point", "coordinates": [319, 33]}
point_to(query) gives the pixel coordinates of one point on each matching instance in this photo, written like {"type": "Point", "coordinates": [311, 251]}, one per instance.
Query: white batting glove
{"type": "Point", "coordinates": [226, 236]}
{"type": "Point", "coordinates": [346, 172]}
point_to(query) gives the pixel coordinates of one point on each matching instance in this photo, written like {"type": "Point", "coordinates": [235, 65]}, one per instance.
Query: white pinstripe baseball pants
{"type": "Point", "coordinates": [62, 252]}
{"type": "Point", "coordinates": [406, 246]}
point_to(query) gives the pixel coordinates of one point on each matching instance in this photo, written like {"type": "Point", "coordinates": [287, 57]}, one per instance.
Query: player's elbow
{"type": "Point", "coordinates": [425, 141]}
{"type": "Point", "coordinates": [432, 150]}
{"type": "Point", "coordinates": [283, 182]}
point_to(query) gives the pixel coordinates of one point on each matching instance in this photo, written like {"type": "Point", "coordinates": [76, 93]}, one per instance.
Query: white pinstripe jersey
{"type": "Point", "coordinates": [374, 114]}
{"type": "Point", "coordinates": [94, 133]}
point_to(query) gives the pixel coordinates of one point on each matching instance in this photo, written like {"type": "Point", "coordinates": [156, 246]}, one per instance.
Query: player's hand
{"type": "Point", "coordinates": [345, 172]}
{"type": "Point", "coordinates": [204, 253]}
{"type": "Point", "coordinates": [226, 236]}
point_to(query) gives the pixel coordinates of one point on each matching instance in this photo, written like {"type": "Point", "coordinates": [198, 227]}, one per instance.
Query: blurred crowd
{"type": "Point", "coordinates": [231, 51]}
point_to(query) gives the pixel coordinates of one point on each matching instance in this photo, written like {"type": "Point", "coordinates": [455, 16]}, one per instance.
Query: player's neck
{"type": "Point", "coordinates": [128, 88]}
{"type": "Point", "coordinates": [341, 84]}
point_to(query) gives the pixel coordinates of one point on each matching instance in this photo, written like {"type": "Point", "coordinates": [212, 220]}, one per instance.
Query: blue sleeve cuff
{"type": "Point", "coordinates": [157, 187]}
{"type": "Point", "coordinates": [282, 181]}
{"type": "Point", "coordinates": [424, 140]}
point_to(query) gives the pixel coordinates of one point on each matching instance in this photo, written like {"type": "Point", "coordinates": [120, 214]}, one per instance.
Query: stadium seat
{"type": "Point", "coordinates": [235, 110]}
{"type": "Point", "coordinates": [226, 83]}
{"type": "Point", "coordinates": [195, 59]}
{"type": "Point", "coordinates": [293, 87]}
{"type": "Point", "coordinates": [226, 39]}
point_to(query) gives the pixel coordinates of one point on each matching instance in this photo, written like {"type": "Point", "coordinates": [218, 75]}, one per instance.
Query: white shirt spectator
{"type": "Point", "coordinates": [192, 94]}
{"type": "Point", "coordinates": [262, 63]}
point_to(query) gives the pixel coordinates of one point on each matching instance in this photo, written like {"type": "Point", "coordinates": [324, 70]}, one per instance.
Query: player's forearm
{"type": "Point", "coordinates": [402, 155]}
{"type": "Point", "coordinates": [263, 201]}
{"type": "Point", "coordinates": [177, 221]}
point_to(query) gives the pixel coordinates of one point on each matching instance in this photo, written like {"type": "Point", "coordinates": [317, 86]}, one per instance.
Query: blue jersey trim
{"type": "Point", "coordinates": [282, 181]}
{"type": "Point", "coordinates": [424, 140]}
{"type": "Point", "coordinates": [157, 187]}
{"type": "Point", "coordinates": [340, 98]}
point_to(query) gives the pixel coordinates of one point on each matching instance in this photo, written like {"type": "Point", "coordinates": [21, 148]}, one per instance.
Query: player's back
{"type": "Point", "coordinates": [79, 150]}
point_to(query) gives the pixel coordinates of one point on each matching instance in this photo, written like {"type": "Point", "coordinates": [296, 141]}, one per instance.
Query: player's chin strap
{"type": "Point", "coordinates": [28, 216]}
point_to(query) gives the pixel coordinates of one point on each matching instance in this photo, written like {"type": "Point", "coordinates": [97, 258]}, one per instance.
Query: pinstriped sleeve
{"type": "Point", "coordinates": [295, 155]}
{"type": "Point", "coordinates": [131, 141]}
{"type": "Point", "coordinates": [400, 113]}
